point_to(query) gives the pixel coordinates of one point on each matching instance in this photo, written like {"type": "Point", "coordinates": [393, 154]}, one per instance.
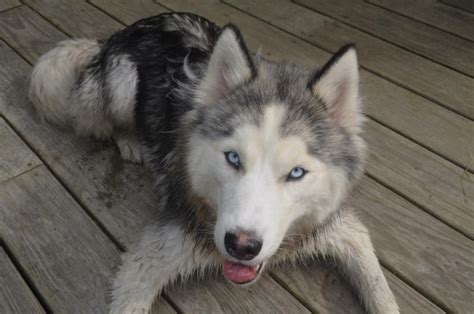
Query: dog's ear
{"type": "Point", "coordinates": [229, 66]}
{"type": "Point", "coordinates": [337, 85]}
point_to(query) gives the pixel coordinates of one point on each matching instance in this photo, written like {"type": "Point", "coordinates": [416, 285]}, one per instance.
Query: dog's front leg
{"type": "Point", "coordinates": [347, 241]}
{"type": "Point", "coordinates": [163, 254]}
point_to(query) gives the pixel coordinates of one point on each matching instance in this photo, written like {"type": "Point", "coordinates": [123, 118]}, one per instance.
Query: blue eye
{"type": "Point", "coordinates": [233, 159]}
{"type": "Point", "coordinates": [296, 173]}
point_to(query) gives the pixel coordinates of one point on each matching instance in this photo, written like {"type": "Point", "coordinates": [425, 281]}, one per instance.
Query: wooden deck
{"type": "Point", "coordinates": [69, 206]}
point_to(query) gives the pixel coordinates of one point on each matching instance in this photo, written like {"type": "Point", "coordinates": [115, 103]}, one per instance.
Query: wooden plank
{"type": "Point", "coordinates": [467, 5]}
{"type": "Point", "coordinates": [65, 254]}
{"type": "Point", "coordinates": [409, 114]}
{"type": "Point", "coordinates": [217, 299]}
{"type": "Point", "coordinates": [327, 292]}
{"type": "Point", "coordinates": [406, 301]}
{"type": "Point", "coordinates": [8, 4]}
{"type": "Point", "coordinates": [15, 294]}
{"type": "Point", "coordinates": [126, 13]}
{"type": "Point", "coordinates": [418, 37]}
{"type": "Point", "coordinates": [423, 176]}
{"type": "Point", "coordinates": [420, 249]}
{"type": "Point", "coordinates": [433, 13]}
{"type": "Point", "coordinates": [23, 29]}
{"type": "Point", "coordinates": [15, 156]}
{"type": "Point", "coordinates": [119, 194]}
{"type": "Point", "coordinates": [432, 80]}
{"type": "Point", "coordinates": [76, 18]}
{"type": "Point", "coordinates": [68, 258]}
{"type": "Point", "coordinates": [441, 130]}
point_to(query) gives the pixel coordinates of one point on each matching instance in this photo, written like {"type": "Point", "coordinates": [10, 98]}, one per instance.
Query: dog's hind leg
{"type": "Point", "coordinates": [347, 241]}
{"type": "Point", "coordinates": [164, 254]}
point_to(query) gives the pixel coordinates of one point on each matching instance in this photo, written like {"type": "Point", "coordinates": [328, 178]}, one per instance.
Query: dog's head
{"type": "Point", "coordinates": [273, 146]}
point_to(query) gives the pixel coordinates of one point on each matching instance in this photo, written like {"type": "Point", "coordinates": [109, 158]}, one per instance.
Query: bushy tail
{"type": "Point", "coordinates": [55, 76]}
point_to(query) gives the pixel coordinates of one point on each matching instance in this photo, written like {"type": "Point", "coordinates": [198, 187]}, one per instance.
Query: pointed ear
{"type": "Point", "coordinates": [337, 84]}
{"type": "Point", "coordinates": [230, 65]}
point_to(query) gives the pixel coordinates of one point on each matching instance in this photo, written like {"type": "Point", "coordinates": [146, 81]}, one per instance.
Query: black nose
{"type": "Point", "coordinates": [242, 245]}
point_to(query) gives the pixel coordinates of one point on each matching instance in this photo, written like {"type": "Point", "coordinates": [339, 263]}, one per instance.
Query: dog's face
{"type": "Point", "coordinates": [274, 146]}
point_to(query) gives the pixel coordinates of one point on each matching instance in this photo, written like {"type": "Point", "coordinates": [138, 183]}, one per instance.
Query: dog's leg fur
{"type": "Point", "coordinates": [163, 255]}
{"type": "Point", "coordinates": [348, 242]}
{"type": "Point", "coordinates": [129, 147]}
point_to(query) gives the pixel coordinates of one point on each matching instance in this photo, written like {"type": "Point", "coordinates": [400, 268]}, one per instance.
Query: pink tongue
{"type": "Point", "coordinates": [239, 273]}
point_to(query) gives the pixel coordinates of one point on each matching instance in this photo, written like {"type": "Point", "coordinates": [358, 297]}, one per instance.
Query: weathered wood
{"type": "Point", "coordinates": [217, 299]}
{"type": "Point", "coordinates": [426, 178]}
{"type": "Point", "coordinates": [8, 4]}
{"type": "Point", "coordinates": [15, 295]}
{"type": "Point", "coordinates": [467, 5]}
{"type": "Point", "coordinates": [76, 18]}
{"type": "Point", "coordinates": [433, 13]}
{"type": "Point", "coordinates": [324, 291]}
{"type": "Point", "coordinates": [418, 119]}
{"type": "Point", "coordinates": [432, 43]}
{"type": "Point", "coordinates": [119, 194]}
{"type": "Point", "coordinates": [64, 253]}
{"type": "Point", "coordinates": [420, 249]}
{"type": "Point", "coordinates": [432, 80]}
{"type": "Point", "coordinates": [24, 29]}
{"type": "Point", "coordinates": [67, 257]}
{"type": "Point", "coordinates": [15, 156]}
{"type": "Point", "coordinates": [128, 13]}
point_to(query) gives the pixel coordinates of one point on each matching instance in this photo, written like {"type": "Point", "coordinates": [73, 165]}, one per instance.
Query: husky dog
{"type": "Point", "coordinates": [252, 159]}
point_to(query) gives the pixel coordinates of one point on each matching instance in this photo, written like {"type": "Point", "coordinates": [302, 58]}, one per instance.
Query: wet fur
{"type": "Point", "coordinates": [152, 87]}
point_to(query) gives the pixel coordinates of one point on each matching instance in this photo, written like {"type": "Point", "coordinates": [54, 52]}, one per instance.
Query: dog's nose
{"type": "Point", "coordinates": [242, 245]}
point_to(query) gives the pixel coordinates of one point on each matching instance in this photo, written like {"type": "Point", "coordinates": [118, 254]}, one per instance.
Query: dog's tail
{"type": "Point", "coordinates": [56, 77]}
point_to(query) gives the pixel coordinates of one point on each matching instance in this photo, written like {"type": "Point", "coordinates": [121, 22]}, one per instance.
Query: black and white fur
{"type": "Point", "coordinates": [178, 91]}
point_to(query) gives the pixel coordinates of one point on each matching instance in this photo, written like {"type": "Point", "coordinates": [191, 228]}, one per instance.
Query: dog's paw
{"type": "Point", "coordinates": [130, 149]}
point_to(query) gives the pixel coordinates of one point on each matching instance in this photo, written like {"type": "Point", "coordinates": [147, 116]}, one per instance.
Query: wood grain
{"type": "Point", "coordinates": [76, 18]}
{"type": "Point", "coordinates": [430, 79]}
{"type": "Point", "coordinates": [467, 5]}
{"type": "Point", "coordinates": [23, 29]}
{"type": "Point", "coordinates": [15, 294]}
{"type": "Point", "coordinates": [64, 253]}
{"type": "Point", "coordinates": [119, 194]}
{"type": "Point", "coordinates": [420, 249]}
{"type": "Point", "coordinates": [8, 4]}
{"type": "Point", "coordinates": [433, 13]}
{"type": "Point", "coordinates": [443, 188]}
{"type": "Point", "coordinates": [418, 37]}
{"type": "Point", "coordinates": [324, 291]}
{"type": "Point", "coordinates": [126, 13]}
{"type": "Point", "coordinates": [216, 298]}
{"type": "Point", "coordinates": [15, 156]}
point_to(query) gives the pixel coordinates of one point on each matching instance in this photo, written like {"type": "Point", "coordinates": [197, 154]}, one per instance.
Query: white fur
{"type": "Point", "coordinates": [58, 97]}
{"type": "Point", "coordinates": [259, 198]}
{"type": "Point", "coordinates": [55, 75]}
{"type": "Point", "coordinates": [122, 82]}
{"type": "Point", "coordinates": [163, 255]}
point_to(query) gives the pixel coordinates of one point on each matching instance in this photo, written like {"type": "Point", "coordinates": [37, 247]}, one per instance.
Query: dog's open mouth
{"type": "Point", "coordinates": [240, 273]}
